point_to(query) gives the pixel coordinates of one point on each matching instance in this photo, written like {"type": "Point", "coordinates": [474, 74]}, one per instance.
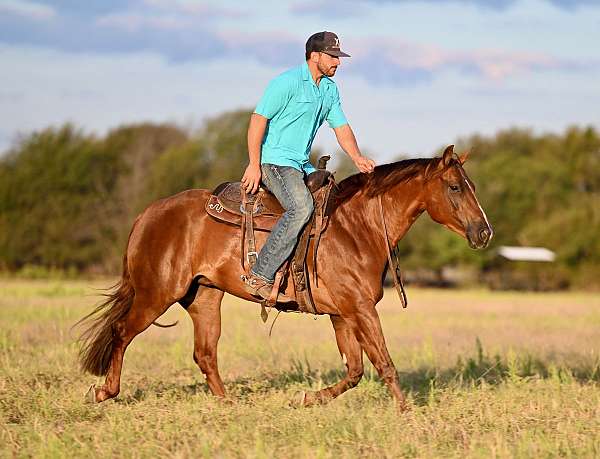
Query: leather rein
{"type": "Point", "coordinates": [393, 263]}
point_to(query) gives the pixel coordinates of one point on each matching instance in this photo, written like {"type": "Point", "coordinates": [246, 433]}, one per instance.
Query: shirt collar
{"type": "Point", "coordinates": [305, 72]}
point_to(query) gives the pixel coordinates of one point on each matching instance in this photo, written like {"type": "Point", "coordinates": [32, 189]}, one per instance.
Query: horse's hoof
{"type": "Point", "coordinates": [90, 395]}
{"type": "Point", "coordinates": [226, 400]}
{"type": "Point", "coordinates": [298, 400]}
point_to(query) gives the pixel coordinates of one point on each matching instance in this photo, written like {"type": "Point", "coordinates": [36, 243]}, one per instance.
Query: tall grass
{"type": "Point", "coordinates": [487, 375]}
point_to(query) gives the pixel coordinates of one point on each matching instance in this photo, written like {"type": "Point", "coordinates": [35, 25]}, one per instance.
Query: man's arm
{"type": "Point", "coordinates": [347, 140]}
{"type": "Point", "coordinates": [256, 132]}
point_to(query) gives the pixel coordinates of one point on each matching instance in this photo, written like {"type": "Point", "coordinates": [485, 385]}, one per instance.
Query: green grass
{"type": "Point", "coordinates": [487, 375]}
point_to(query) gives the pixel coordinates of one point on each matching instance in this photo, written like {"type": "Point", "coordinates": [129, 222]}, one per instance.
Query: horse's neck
{"type": "Point", "coordinates": [402, 205]}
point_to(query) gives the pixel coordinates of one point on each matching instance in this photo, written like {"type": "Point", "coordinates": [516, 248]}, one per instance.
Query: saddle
{"type": "Point", "coordinates": [230, 204]}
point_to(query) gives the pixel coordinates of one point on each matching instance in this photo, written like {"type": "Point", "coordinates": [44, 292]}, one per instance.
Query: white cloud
{"type": "Point", "coordinates": [194, 7]}
{"type": "Point", "coordinates": [397, 56]}
{"type": "Point", "coordinates": [132, 22]}
{"type": "Point", "coordinates": [30, 10]}
{"type": "Point", "coordinates": [97, 92]}
{"type": "Point", "coordinates": [42, 88]}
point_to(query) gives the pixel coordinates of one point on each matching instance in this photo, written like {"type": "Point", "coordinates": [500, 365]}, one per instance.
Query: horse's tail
{"type": "Point", "coordinates": [97, 339]}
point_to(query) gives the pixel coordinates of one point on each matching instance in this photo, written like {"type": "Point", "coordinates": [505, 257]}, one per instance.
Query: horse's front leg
{"type": "Point", "coordinates": [351, 354]}
{"type": "Point", "coordinates": [367, 328]}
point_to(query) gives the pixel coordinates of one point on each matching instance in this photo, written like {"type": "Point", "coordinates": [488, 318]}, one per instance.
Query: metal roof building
{"type": "Point", "coordinates": [526, 253]}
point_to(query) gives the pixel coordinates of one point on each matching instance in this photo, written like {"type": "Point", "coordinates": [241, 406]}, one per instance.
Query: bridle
{"type": "Point", "coordinates": [393, 262]}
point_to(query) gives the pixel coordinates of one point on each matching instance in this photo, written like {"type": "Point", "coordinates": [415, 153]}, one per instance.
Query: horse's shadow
{"type": "Point", "coordinates": [421, 383]}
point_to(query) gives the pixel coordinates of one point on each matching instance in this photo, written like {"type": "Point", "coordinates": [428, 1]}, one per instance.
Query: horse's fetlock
{"type": "Point", "coordinates": [105, 392]}
{"type": "Point", "coordinates": [354, 377]}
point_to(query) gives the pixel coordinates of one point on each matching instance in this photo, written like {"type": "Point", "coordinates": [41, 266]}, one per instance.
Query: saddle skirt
{"type": "Point", "coordinates": [226, 202]}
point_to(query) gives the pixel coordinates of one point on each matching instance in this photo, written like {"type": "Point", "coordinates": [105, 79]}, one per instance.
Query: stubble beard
{"type": "Point", "coordinates": [327, 71]}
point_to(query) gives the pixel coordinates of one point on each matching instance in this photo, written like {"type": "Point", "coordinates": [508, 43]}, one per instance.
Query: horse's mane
{"type": "Point", "coordinates": [382, 179]}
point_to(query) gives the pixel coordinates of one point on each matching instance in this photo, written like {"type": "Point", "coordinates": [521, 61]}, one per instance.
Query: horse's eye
{"type": "Point", "coordinates": [455, 188]}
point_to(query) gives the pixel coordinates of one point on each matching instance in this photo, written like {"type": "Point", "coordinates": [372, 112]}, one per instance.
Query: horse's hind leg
{"type": "Point", "coordinates": [144, 310]}
{"type": "Point", "coordinates": [351, 353]}
{"type": "Point", "coordinates": [205, 312]}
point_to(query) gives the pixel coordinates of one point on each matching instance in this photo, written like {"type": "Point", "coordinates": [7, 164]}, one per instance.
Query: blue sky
{"type": "Point", "coordinates": [422, 74]}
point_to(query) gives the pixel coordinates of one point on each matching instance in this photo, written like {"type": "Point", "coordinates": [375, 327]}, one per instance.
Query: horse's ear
{"type": "Point", "coordinates": [463, 158]}
{"type": "Point", "coordinates": [447, 156]}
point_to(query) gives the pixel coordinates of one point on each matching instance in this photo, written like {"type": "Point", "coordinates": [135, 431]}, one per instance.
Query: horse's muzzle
{"type": "Point", "coordinates": [480, 236]}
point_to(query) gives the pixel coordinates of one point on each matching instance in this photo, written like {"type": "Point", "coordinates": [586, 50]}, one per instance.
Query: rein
{"type": "Point", "coordinates": [393, 264]}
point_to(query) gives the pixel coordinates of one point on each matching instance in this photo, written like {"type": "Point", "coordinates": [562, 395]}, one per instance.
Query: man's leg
{"type": "Point", "coordinates": [287, 184]}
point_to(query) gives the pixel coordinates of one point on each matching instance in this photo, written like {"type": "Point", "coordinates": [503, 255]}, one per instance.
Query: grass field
{"type": "Point", "coordinates": [487, 374]}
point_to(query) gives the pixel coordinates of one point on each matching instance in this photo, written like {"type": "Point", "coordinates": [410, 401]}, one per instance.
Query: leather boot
{"type": "Point", "coordinates": [259, 287]}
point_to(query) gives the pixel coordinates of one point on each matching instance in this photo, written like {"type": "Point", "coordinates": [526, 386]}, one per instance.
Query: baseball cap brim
{"type": "Point", "coordinates": [336, 53]}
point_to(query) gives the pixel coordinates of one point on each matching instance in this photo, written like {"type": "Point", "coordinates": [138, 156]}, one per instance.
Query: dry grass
{"type": "Point", "coordinates": [488, 374]}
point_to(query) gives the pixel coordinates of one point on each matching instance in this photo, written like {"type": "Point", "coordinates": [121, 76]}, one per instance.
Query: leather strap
{"type": "Point", "coordinates": [243, 238]}
{"type": "Point", "coordinates": [249, 254]}
{"type": "Point", "coordinates": [320, 223]}
{"type": "Point", "coordinates": [276, 285]}
{"type": "Point", "coordinates": [393, 264]}
{"type": "Point", "coordinates": [299, 271]}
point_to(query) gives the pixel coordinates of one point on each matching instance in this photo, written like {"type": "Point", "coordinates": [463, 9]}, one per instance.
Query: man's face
{"type": "Point", "coordinates": [327, 64]}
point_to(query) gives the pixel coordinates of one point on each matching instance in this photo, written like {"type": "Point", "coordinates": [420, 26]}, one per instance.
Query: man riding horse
{"type": "Point", "coordinates": [178, 252]}
{"type": "Point", "coordinates": [280, 135]}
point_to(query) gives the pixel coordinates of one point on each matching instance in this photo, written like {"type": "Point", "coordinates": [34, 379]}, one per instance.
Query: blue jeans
{"type": "Point", "coordinates": [287, 184]}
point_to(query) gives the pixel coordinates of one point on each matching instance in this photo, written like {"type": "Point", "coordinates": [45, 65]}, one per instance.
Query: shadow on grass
{"type": "Point", "coordinates": [421, 382]}
{"type": "Point", "coordinates": [495, 370]}
{"type": "Point", "coordinates": [469, 371]}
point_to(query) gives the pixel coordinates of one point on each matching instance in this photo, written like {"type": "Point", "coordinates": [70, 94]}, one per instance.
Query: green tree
{"type": "Point", "coordinates": [52, 190]}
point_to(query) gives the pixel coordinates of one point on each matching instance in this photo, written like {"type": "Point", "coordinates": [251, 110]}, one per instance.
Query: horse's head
{"type": "Point", "coordinates": [450, 200]}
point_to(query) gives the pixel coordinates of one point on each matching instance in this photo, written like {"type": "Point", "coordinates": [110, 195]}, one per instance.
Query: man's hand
{"type": "Point", "coordinates": [364, 164]}
{"type": "Point", "coordinates": [251, 178]}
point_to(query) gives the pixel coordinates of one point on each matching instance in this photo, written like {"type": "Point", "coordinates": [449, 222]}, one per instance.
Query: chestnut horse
{"type": "Point", "coordinates": [178, 253]}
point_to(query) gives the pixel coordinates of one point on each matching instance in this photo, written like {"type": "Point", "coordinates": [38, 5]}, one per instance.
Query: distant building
{"type": "Point", "coordinates": [525, 268]}
{"type": "Point", "coordinates": [526, 253]}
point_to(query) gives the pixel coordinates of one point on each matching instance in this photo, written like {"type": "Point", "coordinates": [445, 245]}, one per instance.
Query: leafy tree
{"type": "Point", "coordinates": [68, 199]}
{"type": "Point", "coordinates": [53, 188]}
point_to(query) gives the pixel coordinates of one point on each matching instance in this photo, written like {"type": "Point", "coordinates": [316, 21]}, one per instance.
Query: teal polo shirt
{"type": "Point", "coordinates": [296, 107]}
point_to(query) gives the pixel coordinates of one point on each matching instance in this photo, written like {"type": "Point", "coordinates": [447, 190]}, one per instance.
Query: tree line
{"type": "Point", "coordinates": [68, 198]}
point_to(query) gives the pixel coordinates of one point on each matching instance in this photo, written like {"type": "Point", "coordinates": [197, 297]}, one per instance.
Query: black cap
{"type": "Point", "coordinates": [325, 42]}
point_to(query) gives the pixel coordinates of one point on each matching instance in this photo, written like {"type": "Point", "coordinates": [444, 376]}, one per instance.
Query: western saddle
{"type": "Point", "coordinates": [230, 203]}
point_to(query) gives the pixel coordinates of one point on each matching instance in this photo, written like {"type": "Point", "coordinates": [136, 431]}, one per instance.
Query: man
{"type": "Point", "coordinates": [281, 132]}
